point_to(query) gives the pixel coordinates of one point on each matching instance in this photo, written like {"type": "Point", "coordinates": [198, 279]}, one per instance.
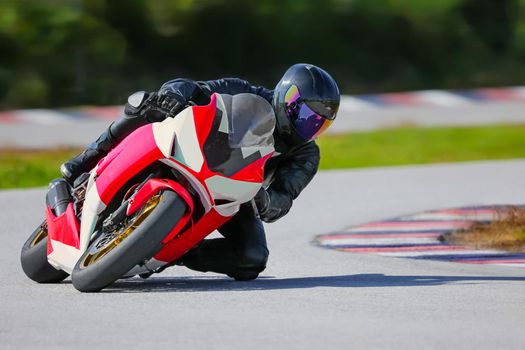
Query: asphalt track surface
{"type": "Point", "coordinates": [308, 298]}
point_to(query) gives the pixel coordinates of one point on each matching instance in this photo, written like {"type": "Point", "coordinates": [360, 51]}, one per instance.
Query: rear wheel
{"type": "Point", "coordinates": [114, 253]}
{"type": "Point", "coordinates": [34, 258]}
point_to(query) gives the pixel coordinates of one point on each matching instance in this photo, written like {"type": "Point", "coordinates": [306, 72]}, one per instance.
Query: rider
{"type": "Point", "coordinates": [305, 101]}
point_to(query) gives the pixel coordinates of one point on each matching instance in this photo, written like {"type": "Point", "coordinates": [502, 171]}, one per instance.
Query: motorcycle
{"type": "Point", "coordinates": [155, 196]}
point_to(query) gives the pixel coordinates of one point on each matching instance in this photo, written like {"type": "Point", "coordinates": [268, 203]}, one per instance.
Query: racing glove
{"type": "Point", "coordinates": [290, 178]}
{"type": "Point", "coordinates": [171, 103]}
{"type": "Point", "coordinates": [143, 108]}
{"type": "Point", "coordinates": [154, 107]}
{"type": "Point", "coordinates": [272, 204]}
{"type": "Point", "coordinates": [262, 201]}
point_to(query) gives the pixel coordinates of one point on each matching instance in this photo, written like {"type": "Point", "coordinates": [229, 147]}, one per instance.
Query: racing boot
{"type": "Point", "coordinates": [87, 160]}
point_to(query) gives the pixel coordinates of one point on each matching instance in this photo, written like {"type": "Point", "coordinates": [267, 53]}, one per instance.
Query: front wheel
{"type": "Point", "coordinates": [34, 258]}
{"type": "Point", "coordinates": [113, 254]}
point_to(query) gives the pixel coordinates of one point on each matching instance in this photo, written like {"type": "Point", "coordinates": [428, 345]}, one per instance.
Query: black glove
{"type": "Point", "coordinates": [145, 105]}
{"type": "Point", "coordinates": [272, 205]}
{"type": "Point", "coordinates": [171, 102]}
{"type": "Point", "coordinates": [262, 202]}
{"type": "Point", "coordinates": [154, 107]}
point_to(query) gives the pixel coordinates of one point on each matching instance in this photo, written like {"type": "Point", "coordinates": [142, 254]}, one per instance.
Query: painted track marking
{"type": "Point", "coordinates": [417, 236]}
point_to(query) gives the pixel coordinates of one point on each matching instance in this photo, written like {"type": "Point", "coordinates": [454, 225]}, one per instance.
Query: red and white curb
{"type": "Point", "coordinates": [418, 237]}
{"type": "Point", "coordinates": [60, 116]}
{"type": "Point", "coordinates": [433, 98]}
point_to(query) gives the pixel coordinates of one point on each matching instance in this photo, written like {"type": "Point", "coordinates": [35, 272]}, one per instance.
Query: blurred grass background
{"type": "Point", "coordinates": [31, 168]}
{"type": "Point", "coordinates": [70, 52]}
{"type": "Point", "coordinates": [407, 145]}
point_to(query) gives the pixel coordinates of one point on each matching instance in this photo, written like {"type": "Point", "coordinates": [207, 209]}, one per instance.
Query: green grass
{"type": "Point", "coordinates": [354, 150]}
{"type": "Point", "coordinates": [421, 146]}
{"type": "Point", "coordinates": [26, 168]}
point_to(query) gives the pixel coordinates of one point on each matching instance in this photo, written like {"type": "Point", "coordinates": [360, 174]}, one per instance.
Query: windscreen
{"type": "Point", "coordinates": [251, 120]}
{"type": "Point", "coordinates": [241, 133]}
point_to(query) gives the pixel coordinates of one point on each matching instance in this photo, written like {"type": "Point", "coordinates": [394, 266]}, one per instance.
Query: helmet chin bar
{"type": "Point", "coordinates": [287, 133]}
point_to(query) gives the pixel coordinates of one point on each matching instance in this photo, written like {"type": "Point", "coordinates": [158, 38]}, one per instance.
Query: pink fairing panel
{"type": "Point", "coordinates": [132, 155]}
{"type": "Point", "coordinates": [64, 228]}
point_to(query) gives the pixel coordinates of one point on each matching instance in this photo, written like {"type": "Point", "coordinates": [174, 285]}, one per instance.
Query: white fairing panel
{"type": "Point", "coordinates": [63, 256]}
{"type": "Point", "coordinates": [182, 129]}
{"type": "Point", "coordinates": [232, 190]}
{"type": "Point", "coordinates": [93, 206]}
{"type": "Point", "coordinates": [195, 183]}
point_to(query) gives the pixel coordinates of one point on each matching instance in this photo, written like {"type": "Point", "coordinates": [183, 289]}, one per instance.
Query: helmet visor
{"type": "Point", "coordinates": [308, 123]}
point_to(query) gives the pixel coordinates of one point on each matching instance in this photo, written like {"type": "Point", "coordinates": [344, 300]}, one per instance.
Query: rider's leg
{"type": "Point", "coordinates": [87, 160]}
{"type": "Point", "coordinates": [242, 254]}
{"type": "Point", "coordinates": [134, 117]}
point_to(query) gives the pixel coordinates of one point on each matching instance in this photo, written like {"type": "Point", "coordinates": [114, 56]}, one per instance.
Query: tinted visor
{"type": "Point", "coordinates": [307, 123]}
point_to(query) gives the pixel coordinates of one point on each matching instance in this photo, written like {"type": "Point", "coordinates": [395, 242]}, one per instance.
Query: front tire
{"type": "Point", "coordinates": [113, 254]}
{"type": "Point", "coordinates": [34, 258]}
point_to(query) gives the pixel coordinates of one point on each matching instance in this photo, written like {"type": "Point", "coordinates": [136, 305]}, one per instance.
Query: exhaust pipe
{"type": "Point", "coordinates": [58, 196]}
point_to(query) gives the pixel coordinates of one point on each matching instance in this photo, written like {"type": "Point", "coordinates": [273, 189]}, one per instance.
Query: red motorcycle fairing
{"type": "Point", "coordinates": [64, 228]}
{"type": "Point", "coordinates": [132, 155]}
{"type": "Point", "coordinates": [184, 241]}
{"type": "Point", "coordinates": [140, 149]}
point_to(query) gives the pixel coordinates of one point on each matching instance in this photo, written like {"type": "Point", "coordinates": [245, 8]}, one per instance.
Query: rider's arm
{"type": "Point", "coordinates": [186, 90]}
{"type": "Point", "coordinates": [234, 86]}
{"type": "Point", "coordinates": [153, 107]}
{"type": "Point", "coordinates": [199, 92]}
{"type": "Point", "coordinates": [290, 178]}
{"type": "Point", "coordinates": [175, 95]}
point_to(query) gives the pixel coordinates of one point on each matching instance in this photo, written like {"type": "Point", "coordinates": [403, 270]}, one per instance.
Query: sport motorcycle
{"type": "Point", "coordinates": [155, 196]}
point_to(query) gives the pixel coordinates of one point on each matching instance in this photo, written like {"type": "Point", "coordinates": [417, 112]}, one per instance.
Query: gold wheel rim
{"type": "Point", "coordinates": [111, 242]}
{"type": "Point", "coordinates": [42, 234]}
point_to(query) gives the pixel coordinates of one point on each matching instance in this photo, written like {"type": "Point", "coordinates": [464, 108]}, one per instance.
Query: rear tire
{"type": "Point", "coordinates": [91, 273]}
{"type": "Point", "coordinates": [34, 259]}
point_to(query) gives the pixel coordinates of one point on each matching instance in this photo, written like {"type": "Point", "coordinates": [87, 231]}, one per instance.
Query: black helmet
{"type": "Point", "coordinates": [305, 102]}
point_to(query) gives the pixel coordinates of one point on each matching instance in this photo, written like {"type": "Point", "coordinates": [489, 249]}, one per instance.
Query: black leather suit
{"type": "Point", "coordinates": [243, 252]}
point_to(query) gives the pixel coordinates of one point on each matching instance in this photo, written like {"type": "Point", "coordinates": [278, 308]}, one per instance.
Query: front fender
{"type": "Point", "coordinates": [154, 186]}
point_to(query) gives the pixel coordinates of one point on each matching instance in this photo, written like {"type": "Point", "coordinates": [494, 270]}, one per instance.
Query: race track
{"type": "Point", "coordinates": [308, 298]}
